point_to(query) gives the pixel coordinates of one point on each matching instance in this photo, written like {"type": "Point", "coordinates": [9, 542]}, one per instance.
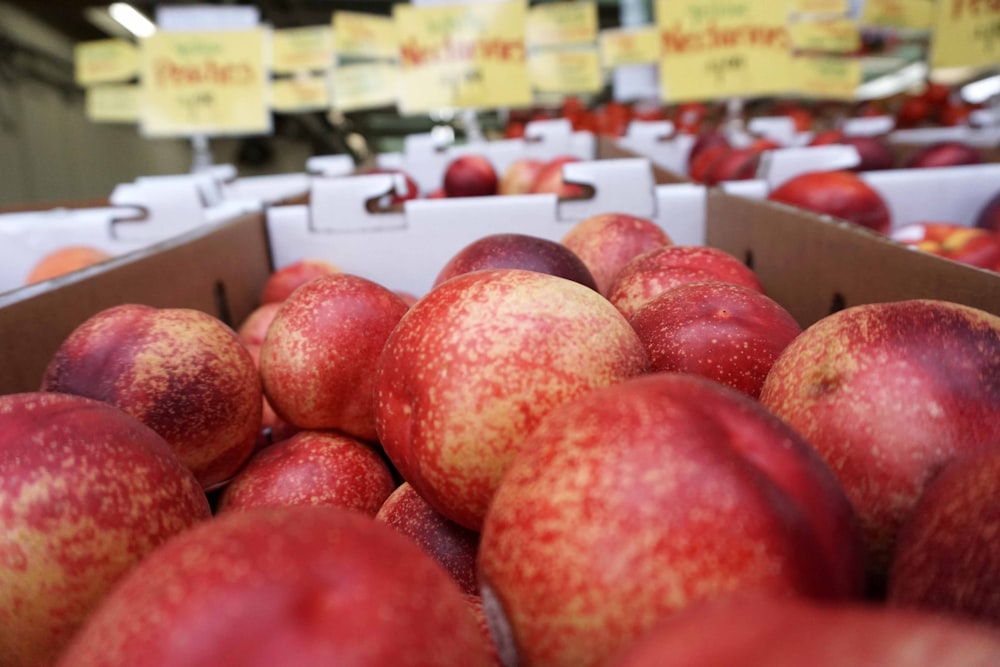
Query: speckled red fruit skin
{"type": "Point", "coordinates": [733, 165]}
{"type": "Point", "coordinates": [947, 559]}
{"type": "Point", "coordinates": [473, 366]}
{"type": "Point", "coordinates": [470, 176]}
{"type": "Point", "coordinates": [253, 330]}
{"type": "Point", "coordinates": [637, 500]}
{"type": "Point", "coordinates": [304, 586]}
{"type": "Point", "coordinates": [312, 468]}
{"type": "Point", "coordinates": [721, 331]}
{"type": "Point", "coordinates": [519, 177]}
{"type": "Point", "coordinates": [749, 631]}
{"type": "Point", "coordinates": [840, 194]}
{"type": "Point", "coordinates": [517, 251]}
{"type": "Point", "coordinates": [86, 492]}
{"type": "Point", "coordinates": [702, 165]}
{"type": "Point", "coordinates": [284, 281]}
{"type": "Point", "coordinates": [608, 241]}
{"type": "Point", "coordinates": [317, 361]}
{"type": "Point", "coordinates": [550, 179]}
{"type": "Point", "coordinates": [705, 141]}
{"type": "Point", "coordinates": [888, 394]}
{"type": "Point", "coordinates": [654, 272]}
{"type": "Point", "coordinates": [453, 546]}
{"type": "Point", "coordinates": [944, 154]}
{"type": "Point", "coordinates": [181, 372]}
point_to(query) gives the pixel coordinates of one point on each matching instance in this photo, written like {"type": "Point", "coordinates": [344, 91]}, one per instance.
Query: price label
{"type": "Point", "coordinates": [629, 47]}
{"type": "Point", "coordinates": [722, 48]}
{"type": "Point", "coordinates": [902, 14]}
{"type": "Point", "coordinates": [828, 36]}
{"type": "Point", "coordinates": [966, 33]}
{"type": "Point", "coordinates": [105, 61]}
{"type": "Point", "coordinates": [821, 6]}
{"type": "Point", "coordinates": [113, 103]}
{"type": "Point", "coordinates": [462, 56]}
{"type": "Point", "coordinates": [566, 71]}
{"type": "Point", "coordinates": [298, 94]}
{"type": "Point", "coordinates": [828, 77]}
{"type": "Point", "coordinates": [561, 23]}
{"type": "Point", "coordinates": [302, 49]}
{"type": "Point", "coordinates": [358, 35]}
{"type": "Point", "coordinates": [365, 86]}
{"type": "Point", "coordinates": [211, 83]}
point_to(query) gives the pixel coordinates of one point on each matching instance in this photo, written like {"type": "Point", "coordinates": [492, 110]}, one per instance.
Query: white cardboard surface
{"type": "Point", "coordinates": [659, 141]}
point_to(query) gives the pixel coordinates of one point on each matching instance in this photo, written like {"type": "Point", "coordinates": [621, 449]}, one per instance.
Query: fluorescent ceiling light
{"type": "Point", "coordinates": [132, 19]}
{"type": "Point", "coordinates": [981, 91]}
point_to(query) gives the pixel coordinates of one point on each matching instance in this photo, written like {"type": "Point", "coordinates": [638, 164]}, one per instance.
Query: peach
{"type": "Point", "coordinates": [470, 176]}
{"type": "Point", "coordinates": [65, 260]}
{"type": "Point", "coordinates": [840, 194]}
{"type": "Point", "coordinates": [520, 176]}
{"type": "Point", "coordinates": [253, 330]}
{"type": "Point", "coordinates": [550, 179]}
{"type": "Point", "coordinates": [181, 372]}
{"type": "Point", "coordinates": [287, 279]}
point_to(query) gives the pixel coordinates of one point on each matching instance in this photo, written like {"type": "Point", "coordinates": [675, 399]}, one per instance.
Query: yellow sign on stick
{"type": "Point", "coordinates": [566, 70]}
{"type": "Point", "coordinates": [903, 14]}
{"type": "Point", "coordinates": [462, 56]}
{"type": "Point", "coordinates": [105, 61]}
{"type": "Point", "coordinates": [820, 6]}
{"type": "Point", "coordinates": [827, 36]}
{"type": "Point", "coordinates": [360, 35]}
{"type": "Point", "coordinates": [966, 33]}
{"type": "Point", "coordinates": [365, 86]}
{"type": "Point", "coordinates": [113, 103]}
{"type": "Point", "coordinates": [298, 94]}
{"type": "Point", "coordinates": [629, 47]}
{"type": "Point", "coordinates": [208, 83]}
{"type": "Point", "coordinates": [828, 77]}
{"type": "Point", "coordinates": [560, 23]}
{"type": "Point", "coordinates": [714, 49]}
{"type": "Point", "coordinates": [302, 49]}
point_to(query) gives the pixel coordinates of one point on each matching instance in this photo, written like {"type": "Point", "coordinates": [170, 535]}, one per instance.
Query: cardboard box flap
{"type": "Point", "coordinates": [780, 165]}
{"type": "Point", "coordinates": [659, 141]}
{"type": "Point", "coordinates": [220, 270]}
{"type": "Point", "coordinates": [982, 137]}
{"type": "Point", "coordinates": [268, 189]}
{"type": "Point", "coordinates": [815, 265]}
{"type": "Point", "coordinates": [872, 126]}
{"type": "Point", "coordinates": [330, 165]}
{"type": "Point", "coordinates": [947, 194]}
{"type": "Point", "coordinates": [780, 129]}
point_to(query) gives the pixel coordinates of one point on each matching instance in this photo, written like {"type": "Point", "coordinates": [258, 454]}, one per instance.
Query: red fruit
{"type": "Point", "coordinates": [913, 112]}
{"type": "Point", "coordinates": [316, 362]}
{"type": "Point", "coordinates": [936, 94]}
{"type": "Point", "coordinates": [874, 153]}
{"type": "Point", "coordinates": [955, 114]}
{"type": "Point", "coordinates": [888, 393]}
{"type": "Point", "coordinates": [412, 191]}
{"type": "Point", "coordinates": [701, 166]}
{"type": "Point", "coordinates": [181, 372]}
{"type": "Point", "coordinates": [733, 165]}
{"type": "Point", "coordinates": [470, 176]}
{"type": "Point", "coordinates": [840, 194]}
{"type": "Point", "coordinates": [989, 215]}
{"type": "Point", "coordinates": [520, 177]}
{"type": "Point", "coordinates": [705, 141]}
{"type": "Point", "coordinates": [518, 251]}
{"type": "Point", "coordinates": [312, 468]}
{"type": "Point", "coordinates": [466, 375]}
{"type": "Point", "coordinates": [65, 260]}
{"type": "Point", "coordinates": [608, 241]}
{"type": "Point", "coordinates": [802, 118]}
{"type": "Point", "coordinates": [254, 327]}
{"type": "Point", "coordinates": [86, 492]}
{"type": "Point", "coordinates": [287, 279]}
{"type": "Point", "coordinates": [724, 332]}
{"type": "Point", "coordinates": [976, 247]}
{"type": "Point", "coordinates": [451, 545]}
{"type": "Point", "coordinates": [646, 497]}
{"type": "Point", "coordinates": [947, 559]}
{"type": "Point", "coordinates": [827, 137]}
{"type": "Point", "coordinates": [944, 154]}
{"type": "Point", "coordinates": [304, 586]}
{"type": "Point", "coordinates": [272, 427]}
{"type": "Point", "coordinates": [515, 130]}
{"type": "Point", "coordinates": [550, 179]}
{"type": "Point", "coordinates": [654, 272]}
{"type": "Point", "coordinates": [752, 631]}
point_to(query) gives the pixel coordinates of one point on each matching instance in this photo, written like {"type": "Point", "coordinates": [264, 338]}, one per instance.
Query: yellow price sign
{"type": "Point", "coordinates": [966, 34]}
{"type": "Point", "coordinates": [566, 70]}
{"type": "Point", "coordinates": [113, 103]}
{"type": "Point", "coordinates": [629, 47]}
{"type": "Point", "coordinates": [903, 14]}
{"type": "Point", "coordinates": [302, 49]}
{"type": "Point", "coordinates": [820, 6]}
{"type": "Point", "coordinates": [300, 93]}
{"type": "Point", "coordinates": [204, 83]}
{"type": "Point", "coordinates": [828, 36]}
{"type": "Point", "coordinates": [722, 48]}
{"type": "Point", "coordinates": [560, 23]}
{"type": "Point", "coordinates": [365, 86]}
{"type": "Point", "coordinates": [462, 56]}
{"type": "Point", "coordinates": [360, 35]}
{"type": "Point", "coordinates": [105, 61]}
{"type": "Point", "coordinates": [828, 77]}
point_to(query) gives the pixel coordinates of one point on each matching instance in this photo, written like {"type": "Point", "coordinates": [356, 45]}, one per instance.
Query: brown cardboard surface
{"type": "Point", "coordinates": [220, 270]}
{"type": "Point", "coordinates": [815, 265]}
{"type": "Point", "coordinates": [608, 149]}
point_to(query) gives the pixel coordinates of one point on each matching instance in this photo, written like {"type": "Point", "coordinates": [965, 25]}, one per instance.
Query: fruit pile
{"type": "Point", "coordinates": [612, 451]}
